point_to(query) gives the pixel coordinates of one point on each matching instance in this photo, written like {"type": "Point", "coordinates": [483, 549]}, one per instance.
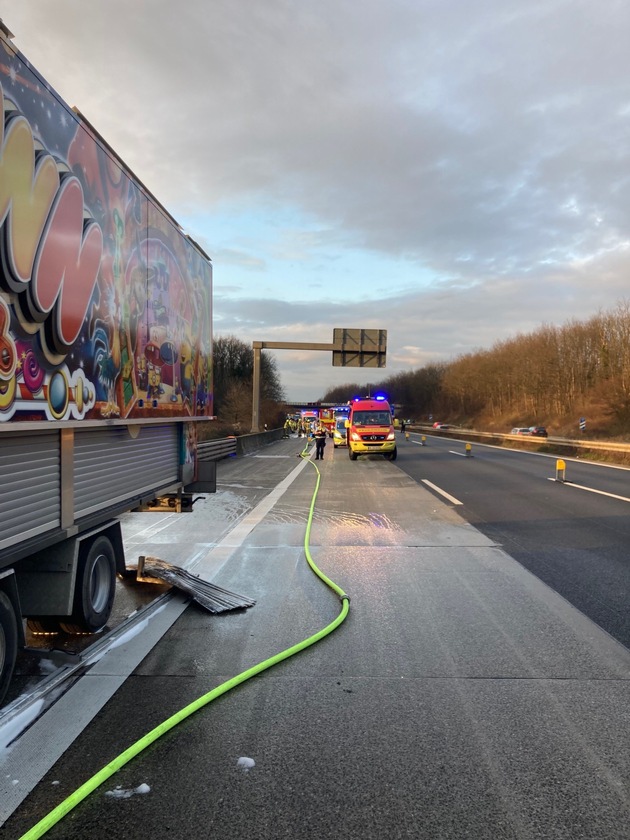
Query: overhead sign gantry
{"type": "Point", "coordinates": [350, 348]}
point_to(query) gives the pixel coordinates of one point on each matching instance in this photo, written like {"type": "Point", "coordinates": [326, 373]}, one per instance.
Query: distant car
{"type": "Point", "coordinates": [339, 433]}
{"type": "Point", "coordinates": [442, 426]}
{"type": "Point", "coordinates": [521, 431]}
{"type": "Point", "coordinates": [538, 431]}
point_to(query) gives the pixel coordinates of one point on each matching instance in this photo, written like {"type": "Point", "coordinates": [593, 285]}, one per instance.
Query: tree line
{"type": "Point", "coordinates": [233, 371]}
{"type": "Point", "coordinates": [551, 377]}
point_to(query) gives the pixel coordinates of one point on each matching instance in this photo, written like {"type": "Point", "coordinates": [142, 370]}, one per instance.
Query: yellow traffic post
{"type": "Point", "coordinates": [406, 435]}
{"type": "Point", "coordinates": [423, 440]}
{"type": "Point", "coordinates": [468, 450]}
{"type": "Point", "coordinates": [560, 470]}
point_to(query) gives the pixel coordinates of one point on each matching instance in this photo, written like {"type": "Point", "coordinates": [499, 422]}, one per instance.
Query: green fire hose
{"type": "Point", "coordinates": [54, 816]}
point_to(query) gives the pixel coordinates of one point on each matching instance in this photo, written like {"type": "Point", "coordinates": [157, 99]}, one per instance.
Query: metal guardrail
{"type": "Point", "coordinates": [215, 450]}
{"type": "Point", "coordinates": [590, 444]}
{"type": "Point", "coordinates": [602, 446]}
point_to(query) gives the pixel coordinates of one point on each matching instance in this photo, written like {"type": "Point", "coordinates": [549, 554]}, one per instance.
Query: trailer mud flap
{"type": "Point", "coordinates": [206, 478]}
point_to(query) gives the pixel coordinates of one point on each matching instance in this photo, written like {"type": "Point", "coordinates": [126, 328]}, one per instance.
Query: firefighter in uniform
{"type": "Point", "coordinates": [320, 443]}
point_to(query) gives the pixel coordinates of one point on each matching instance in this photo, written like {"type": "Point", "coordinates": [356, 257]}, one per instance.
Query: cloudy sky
{"type": "Point", "coordinates": [453, 171]}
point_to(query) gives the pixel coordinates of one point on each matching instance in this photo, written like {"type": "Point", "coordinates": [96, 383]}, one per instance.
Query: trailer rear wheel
{"type": "Point", "coordinates": [94, 590]}
{"type": "Point", "coordinates": [8, 643]}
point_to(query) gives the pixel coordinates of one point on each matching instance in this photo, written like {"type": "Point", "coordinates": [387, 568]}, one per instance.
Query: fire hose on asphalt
{"type": "Point", "coordinates": [54, 816]}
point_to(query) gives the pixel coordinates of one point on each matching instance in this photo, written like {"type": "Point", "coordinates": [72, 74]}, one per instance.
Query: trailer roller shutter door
{"type": "Point", "coordinates": [110, 466]}
{"type": "Point", "coordinates": [29, 486]}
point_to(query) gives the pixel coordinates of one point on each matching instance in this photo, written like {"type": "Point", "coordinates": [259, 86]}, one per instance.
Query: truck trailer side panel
{"type": "Point", "coordinates": [110, 465]}
{"type": "Point", "coordinates": [105, 303]}
{"type": "Point", "coordinates": [29, 486]}
{"type": "Point", "coordinates": [105, 359]}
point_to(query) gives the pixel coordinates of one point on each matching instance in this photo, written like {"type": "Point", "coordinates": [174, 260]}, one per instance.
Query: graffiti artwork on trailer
{"type": "Point", "coordinates": [105, 304]}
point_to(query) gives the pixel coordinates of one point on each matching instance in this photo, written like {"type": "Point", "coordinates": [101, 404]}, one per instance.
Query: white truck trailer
{"type": "Point", "coordinates": [105, 361]}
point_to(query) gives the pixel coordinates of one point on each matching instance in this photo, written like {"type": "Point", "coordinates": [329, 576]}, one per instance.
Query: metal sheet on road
{"type": "Point", "coordinates": [180, 539]}
{"type": "Point", "coordinates": [461, 697]}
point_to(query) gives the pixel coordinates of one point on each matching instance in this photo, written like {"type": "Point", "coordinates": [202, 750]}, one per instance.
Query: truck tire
{"type": "Point", "coordinates": [391, 456]}
{"type": "Point", "coordinates": [94, 589]}
{"type": "Point", "coordinates": [8, 643]}
{"type": "Point", "coordinates": [353, 455]}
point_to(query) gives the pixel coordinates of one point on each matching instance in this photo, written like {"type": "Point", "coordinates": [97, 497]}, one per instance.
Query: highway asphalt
{"type": "Point", "coordinates": [461, 698]}
{"type": "Point", "coordinates": [573, 535]}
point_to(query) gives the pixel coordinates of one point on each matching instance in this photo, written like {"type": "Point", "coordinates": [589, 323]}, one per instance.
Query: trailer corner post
{"type": "Point", "coordinates": [66, 452]}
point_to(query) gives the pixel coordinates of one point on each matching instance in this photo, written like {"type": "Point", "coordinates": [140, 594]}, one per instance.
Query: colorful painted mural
{"type": "Point", "coordinates": [105, 305]}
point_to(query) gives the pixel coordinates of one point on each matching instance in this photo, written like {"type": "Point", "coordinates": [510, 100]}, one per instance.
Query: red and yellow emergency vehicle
{"type": "Point", "coordinates": [327, 420]}
{"type": "Point", "coordinates": [370, 429]}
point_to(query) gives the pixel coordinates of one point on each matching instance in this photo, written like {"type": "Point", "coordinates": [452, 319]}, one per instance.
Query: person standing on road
{"type": "Point", "coordinates": [320, 443]}
{"type": "Point", "coordinates": [402, 426]}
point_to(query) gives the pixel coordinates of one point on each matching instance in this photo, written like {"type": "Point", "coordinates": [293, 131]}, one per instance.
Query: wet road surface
{"type": "Point", "coordinates": [461, 698]}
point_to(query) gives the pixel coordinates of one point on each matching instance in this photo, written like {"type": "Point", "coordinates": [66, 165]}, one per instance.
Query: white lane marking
{"type": "Point", "coordinates": [208, 566]}
{"type": "Point", "coordinates": [592, 490]}
{"type": "Point", "coordinates": [462, 454]}
{"type": "Point", "coordinates": [37, 749]}
{"type": "Point", "coordinates": [441, 492]}
{"type": "Point", "coordinates": [273, 456]}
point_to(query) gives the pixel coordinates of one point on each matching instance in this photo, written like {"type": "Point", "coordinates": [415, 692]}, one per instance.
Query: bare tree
{"type": "Point", "coordinates": [233, 361]}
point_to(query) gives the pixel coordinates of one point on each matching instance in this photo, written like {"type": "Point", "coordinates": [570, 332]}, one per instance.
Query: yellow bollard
{"type": "Point", "coordinates": [423, 440]}
{"type": "Point", "coordinates": [406, 435]}
{"type": "Point", "coordinates": [468, 450]}
{"type": "Point", "coordinates": [560, 470]}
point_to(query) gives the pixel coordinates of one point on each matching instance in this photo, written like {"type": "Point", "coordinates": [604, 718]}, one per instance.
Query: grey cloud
{"type": "Point", "coordinates": [427, 326]}
{"type": "Point", "coordinates": [485, 140]}
{"type": "Point", "coordinates": [431, 130]}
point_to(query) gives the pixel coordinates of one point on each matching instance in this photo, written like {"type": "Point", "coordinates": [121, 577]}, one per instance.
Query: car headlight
{"type": "Point", "coordinates": [391, 436]}
{"type": "Point", "coordinates": [354, 436]}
